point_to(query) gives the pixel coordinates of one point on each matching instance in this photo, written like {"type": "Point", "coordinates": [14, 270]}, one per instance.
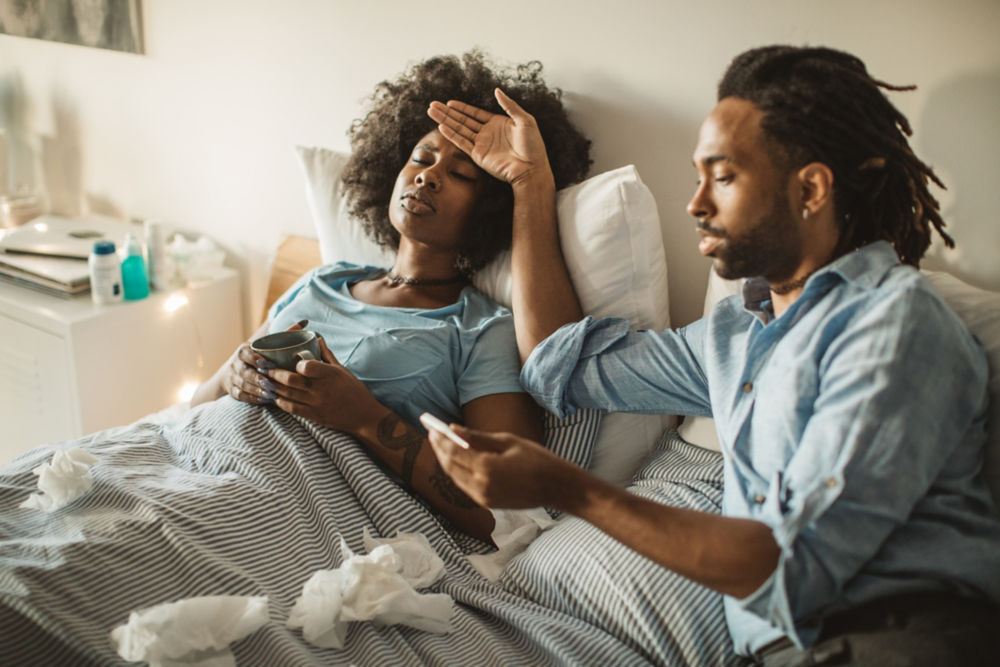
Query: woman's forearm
{"type": "Point", "coordinates": [405, 450]}
{"type": "Point", "coordinates": [542, 295]}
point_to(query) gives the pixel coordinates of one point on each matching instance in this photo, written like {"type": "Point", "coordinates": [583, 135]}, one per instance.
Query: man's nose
{"type": "Point", "coordinates": [700, 206]}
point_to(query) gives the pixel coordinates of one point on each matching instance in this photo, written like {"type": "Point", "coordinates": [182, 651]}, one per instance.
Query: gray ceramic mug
{"type": "Point", "coordinates": [286, 348]}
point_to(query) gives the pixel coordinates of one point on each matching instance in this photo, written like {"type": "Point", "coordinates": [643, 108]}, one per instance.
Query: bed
{"type": "Point", "coordinates": [228, 499]}
{"type": "Point", "coordinates": [239, 500]}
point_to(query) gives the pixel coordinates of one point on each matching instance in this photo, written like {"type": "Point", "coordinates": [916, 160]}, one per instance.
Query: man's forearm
{"type": "Point", "coordinates": [729, 555]}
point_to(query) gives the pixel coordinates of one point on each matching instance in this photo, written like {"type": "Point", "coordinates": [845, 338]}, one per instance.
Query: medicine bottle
{"type": "Point", "coordinates": [105, 273]}
{"type": "Point", "coordinates": [159, 263]}
{"type": "Point", "coordinates": [134, 277]}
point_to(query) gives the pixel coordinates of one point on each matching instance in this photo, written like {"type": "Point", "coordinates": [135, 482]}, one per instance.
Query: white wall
{"type": "Point", "coordinates": [199, 129]}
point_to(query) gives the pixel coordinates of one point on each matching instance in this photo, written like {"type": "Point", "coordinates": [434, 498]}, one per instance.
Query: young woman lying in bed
{"type": "Point", "coordinates": [417, 336]}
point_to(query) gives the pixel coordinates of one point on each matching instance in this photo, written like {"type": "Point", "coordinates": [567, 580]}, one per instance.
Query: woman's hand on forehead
{"type": "Point", "coordinates": [508, 147]}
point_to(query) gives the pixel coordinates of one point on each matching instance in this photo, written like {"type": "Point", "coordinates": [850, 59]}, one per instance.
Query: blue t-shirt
{"type": "Point", "coordinates": [412, 359]}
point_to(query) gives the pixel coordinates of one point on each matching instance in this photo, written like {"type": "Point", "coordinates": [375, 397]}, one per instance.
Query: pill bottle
{"type": "Point", "coordinates": [134, 278]}
{"type": "Point", "coordinates": [105, 273]}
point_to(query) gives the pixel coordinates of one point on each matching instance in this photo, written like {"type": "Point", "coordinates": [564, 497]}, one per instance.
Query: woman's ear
{"type": "Point", "coordinates": [815, 182]}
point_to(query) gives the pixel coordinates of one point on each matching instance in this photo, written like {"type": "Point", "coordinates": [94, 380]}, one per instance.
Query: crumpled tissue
{"type": "Point", "coordinates": [63, 480]}
{"type": "Point", "coordinates": [195, 631]}
{"type": "Point", "coordinates": [379, 587]}
{"type": "Point", "coordinates": [513, 531]}
{"type": "Point", "coordinates": [194, 260]}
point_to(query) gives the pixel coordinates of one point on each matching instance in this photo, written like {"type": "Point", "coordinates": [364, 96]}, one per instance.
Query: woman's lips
{"type": "Point", "coordinates": [417, 204]}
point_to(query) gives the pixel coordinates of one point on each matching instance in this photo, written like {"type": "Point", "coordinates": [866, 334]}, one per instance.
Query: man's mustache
{"type": "Point", "coordinates": [710, 230]}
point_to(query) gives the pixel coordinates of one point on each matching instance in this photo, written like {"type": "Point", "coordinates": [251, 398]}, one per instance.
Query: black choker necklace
{"type": "Point", "coordinates": [396, 279]}
{"type": "Point", "coordinates": [792, 286]}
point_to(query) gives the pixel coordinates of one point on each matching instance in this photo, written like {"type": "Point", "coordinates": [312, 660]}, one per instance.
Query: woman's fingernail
{"type": "Point", "coordinates": [270, 395]}
{"type": "Point", "coordinates": [303, 323]}
{"type": "Point", "coordinates": [267, 384]}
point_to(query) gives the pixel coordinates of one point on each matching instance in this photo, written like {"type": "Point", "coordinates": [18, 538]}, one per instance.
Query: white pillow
{"type": "Point", "coordinates": [611, 241]}
{"type": "Point", "coordinates": [978, 308]}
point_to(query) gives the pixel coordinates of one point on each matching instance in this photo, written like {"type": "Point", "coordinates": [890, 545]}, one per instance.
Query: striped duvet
{"type": "Point", "coordinates": [232, 499]}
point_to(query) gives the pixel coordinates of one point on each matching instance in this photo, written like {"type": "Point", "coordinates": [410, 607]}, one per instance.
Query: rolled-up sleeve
{"type": "Point", "coordinates": [604, 364]}
{"type": "Point", "coordinates": [867, 457]}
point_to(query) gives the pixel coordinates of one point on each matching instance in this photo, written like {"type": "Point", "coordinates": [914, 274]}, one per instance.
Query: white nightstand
{"type": "Point", "coordinates": [69, 367]}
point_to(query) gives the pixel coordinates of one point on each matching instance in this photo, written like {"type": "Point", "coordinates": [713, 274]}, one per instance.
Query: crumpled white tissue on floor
{"type": "Point", "coordinates": [195, 631]}
{"type": "Point", "coordinates": [63, 480]}
{"type": "Point", "coordinates": [379, 587]}
{"type": "Point", "coordinates": [513, 531]}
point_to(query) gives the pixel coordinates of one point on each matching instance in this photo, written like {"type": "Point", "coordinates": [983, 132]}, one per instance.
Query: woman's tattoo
{"type": "Point", "coordinates": [409, 441]}
{"type": "Point", "coordinates": [448, 490]}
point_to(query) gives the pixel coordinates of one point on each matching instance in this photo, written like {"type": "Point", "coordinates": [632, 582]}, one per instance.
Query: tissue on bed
{"type": "Point", "coordinates": [195, 631]}
{"type": "Point", "coordinates": [419, 563]}
{"type": "Point", "coordinates": [375, 588]}
{"type": "Point", "coordinates": [62, 480]}
{"type": "Point", "coordinates": [513, 531]}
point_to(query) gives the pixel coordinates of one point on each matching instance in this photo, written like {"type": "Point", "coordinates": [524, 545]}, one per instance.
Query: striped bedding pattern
{"type": "Point", "coordinates": [242, 500]}
{"type": "Point", "coordinates": [666, 618]}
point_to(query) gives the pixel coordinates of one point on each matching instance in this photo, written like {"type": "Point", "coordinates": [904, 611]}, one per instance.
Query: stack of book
{"type": "Point", "coordinates": [50, 252]}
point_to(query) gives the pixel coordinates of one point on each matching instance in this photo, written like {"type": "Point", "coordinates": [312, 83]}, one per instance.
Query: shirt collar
{"type": "Point", "coordinates": [865, 267]}
{"type": "Point", "coordinates": [757, 299]}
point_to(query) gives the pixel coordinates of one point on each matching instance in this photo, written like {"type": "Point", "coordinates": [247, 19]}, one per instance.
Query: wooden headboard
{"type": "Point", "coordinates": [295, 256]}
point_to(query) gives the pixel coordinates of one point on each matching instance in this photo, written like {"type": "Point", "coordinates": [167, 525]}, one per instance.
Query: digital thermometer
{"type": "Point", "coordinates": [432, 422]}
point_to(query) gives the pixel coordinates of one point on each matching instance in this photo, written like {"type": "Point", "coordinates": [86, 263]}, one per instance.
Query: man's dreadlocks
{"type": "Point", "coordinates": [821, 105]}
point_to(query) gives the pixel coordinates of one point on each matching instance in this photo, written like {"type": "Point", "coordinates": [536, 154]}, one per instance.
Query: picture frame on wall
{"type": "Point", "coordinates": [102, 24]}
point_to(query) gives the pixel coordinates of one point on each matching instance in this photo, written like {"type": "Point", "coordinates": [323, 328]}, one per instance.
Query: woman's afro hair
{"type": "Point", "coordinates": [396, 119]}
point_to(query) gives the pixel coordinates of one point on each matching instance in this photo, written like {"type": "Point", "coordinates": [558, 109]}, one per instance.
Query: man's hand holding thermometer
{"type": "Point", "coordinates": [504, 470]}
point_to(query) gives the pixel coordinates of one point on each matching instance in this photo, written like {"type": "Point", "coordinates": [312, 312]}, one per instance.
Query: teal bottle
{"type": "Point", "coordinates": [134, 277]}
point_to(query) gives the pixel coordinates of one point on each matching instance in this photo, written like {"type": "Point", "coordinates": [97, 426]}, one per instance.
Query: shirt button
{"type": "Point", "coordinates": [759, 498]}
{"type": "Point", "coordinates": [831, 483]}
{"type": "Point", "coordinates": [747, 387]}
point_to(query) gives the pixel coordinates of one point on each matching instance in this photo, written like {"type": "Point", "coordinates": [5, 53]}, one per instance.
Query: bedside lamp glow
{"type": "Point", "coordinates": [174, 302]}
{"type": "Point", "coordinates": [185, 393]}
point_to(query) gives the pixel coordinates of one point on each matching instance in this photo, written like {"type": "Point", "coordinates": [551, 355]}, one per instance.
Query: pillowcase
{"type": "Point", "coordinates": [978, 308]}
{"type": "Point", "coordinates": [610, 232]}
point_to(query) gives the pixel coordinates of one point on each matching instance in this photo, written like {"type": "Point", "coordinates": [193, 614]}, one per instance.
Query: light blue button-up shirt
{"type": "Point", "coordinates": [853, 426]}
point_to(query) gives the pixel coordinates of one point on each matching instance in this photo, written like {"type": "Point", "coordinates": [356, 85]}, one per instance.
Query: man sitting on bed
{"type": "Point", "coordinates": [850, 401]}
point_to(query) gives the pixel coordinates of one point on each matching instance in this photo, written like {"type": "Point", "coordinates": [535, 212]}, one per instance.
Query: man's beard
{"type": "Point", "coordinates": [770, 248]}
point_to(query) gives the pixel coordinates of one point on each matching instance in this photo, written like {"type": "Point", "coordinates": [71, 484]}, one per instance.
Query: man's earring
{"type": "Point", "coordinates": [805, 214]}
